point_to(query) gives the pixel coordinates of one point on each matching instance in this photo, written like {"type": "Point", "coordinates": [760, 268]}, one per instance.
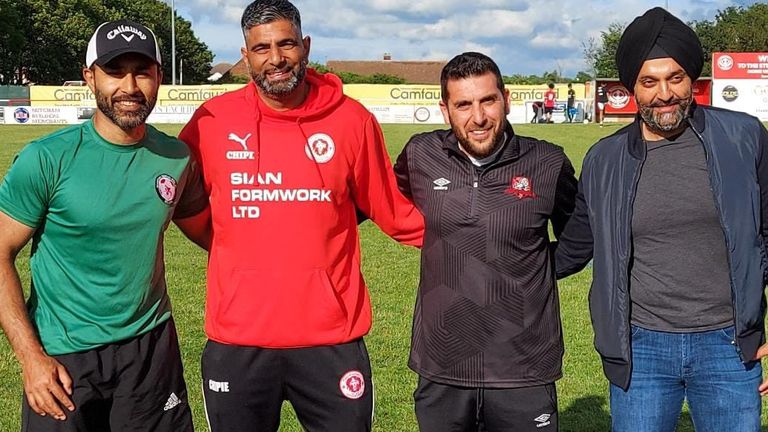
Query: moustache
{"type": "Point", "coordinates": [278, 70]}
{"type": "Point", "coordinates": [666, 104]}
{"type": "Point", "coordinates": [141, 100]}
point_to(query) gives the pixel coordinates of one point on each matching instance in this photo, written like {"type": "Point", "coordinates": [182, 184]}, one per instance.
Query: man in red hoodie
{"type": "Point", "coordinates": [288, 161]}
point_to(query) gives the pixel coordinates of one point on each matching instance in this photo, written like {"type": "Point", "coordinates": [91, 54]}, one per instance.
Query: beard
{"type": "Point", "coordinates": [125, 120]}
{"type": "Point", "coordinates": [475, 149]}
{"type": "Point", "coordinates": [665, 122]}
{"type": "Point", "coordinates": [284, 87]}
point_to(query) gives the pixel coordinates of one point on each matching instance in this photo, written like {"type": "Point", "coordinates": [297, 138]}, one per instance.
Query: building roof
{"type": "Point", "coordinates": [221, 68]}
{"type": "Point", "coordinates": [413, 72]}
{"type": "Point", "coordinates": [240, 69]}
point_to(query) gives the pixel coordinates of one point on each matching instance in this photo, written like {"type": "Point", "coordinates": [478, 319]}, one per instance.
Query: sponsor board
{"type": "Point", "coordinates": [399, 104]}
{"type": "Point", "coordinates": [429, 95]}
{"type": "Point", "coordinates": [621, 101]}
{"type": "Point", "coordinates": [419, 104]}
{"type": "Point", "coordinates": [740, 82]}
{"type": "Point", "coordinates": [407, 114]}
{"type": "Point", "coordinates": [192, 95]}
{"type": "Point", "coordinates": [76, 114]}
{"type": "Point", "coordinates": [740, 65]}
{"type": "Point", "coordinates": [29, 115]}
{"type": "Point", "coordinates": [82, 96]}
{"type": "Point", "coordinates": [171, 114]}
{"type": "Point", "coordinates": [51, 96]}
{"type": "Point", "coordinates": [749, 96]}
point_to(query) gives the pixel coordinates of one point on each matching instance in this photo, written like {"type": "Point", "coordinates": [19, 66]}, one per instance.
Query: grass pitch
{"type": "Point", "coordinates": [391, 271]}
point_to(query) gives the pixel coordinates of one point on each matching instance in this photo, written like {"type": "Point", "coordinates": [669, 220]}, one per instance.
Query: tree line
{"type": "Point", "coordinates": [733, 29]}
{"type": "Point", "coordinates": [44, 41]}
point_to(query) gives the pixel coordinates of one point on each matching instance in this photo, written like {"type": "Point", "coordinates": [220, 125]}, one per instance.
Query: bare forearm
{"type": "Point", "coordinates": [13, 314]}
{"type": "Point", "coordinates": [47, 384]}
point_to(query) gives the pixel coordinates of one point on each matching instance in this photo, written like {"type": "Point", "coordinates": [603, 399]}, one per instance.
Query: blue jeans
{"type": "Point", "coordinates": [703, 368]}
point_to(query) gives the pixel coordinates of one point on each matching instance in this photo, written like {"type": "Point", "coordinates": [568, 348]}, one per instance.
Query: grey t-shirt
{"type": "Point", "coordinates": [679, 279]}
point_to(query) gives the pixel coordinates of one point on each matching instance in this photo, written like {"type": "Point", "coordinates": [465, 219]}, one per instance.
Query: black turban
{"type": "Point", "coordinates": [657, 34]}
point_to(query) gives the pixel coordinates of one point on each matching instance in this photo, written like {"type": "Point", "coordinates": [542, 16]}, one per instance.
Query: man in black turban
{"type": "Point", "coordinates": [673, 211]}
{"type": "Point", "coordinates": [658, 34]}
{"type": "Point", "coordinates": [657, 40]}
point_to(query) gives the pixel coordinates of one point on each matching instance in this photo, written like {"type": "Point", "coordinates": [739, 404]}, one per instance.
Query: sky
{"type": "Point", "coordinates": [522, 36]}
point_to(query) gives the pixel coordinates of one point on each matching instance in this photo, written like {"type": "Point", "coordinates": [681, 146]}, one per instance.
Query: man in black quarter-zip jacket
{"type": "Point", "coordinates": [674, 211]}
{"type": "Point", "coordinates": [487, 341]}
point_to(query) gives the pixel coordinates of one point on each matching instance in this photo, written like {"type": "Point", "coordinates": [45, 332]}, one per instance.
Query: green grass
{"type": "Point", "coordinates": [392, 275]}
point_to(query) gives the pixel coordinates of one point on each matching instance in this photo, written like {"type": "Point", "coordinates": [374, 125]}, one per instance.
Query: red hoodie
{"type": "Point", "coordinates": [284, 266]}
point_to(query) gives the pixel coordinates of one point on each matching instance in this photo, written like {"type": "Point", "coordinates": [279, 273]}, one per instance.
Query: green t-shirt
{"type": "Point", "coordinates": [100, 211]}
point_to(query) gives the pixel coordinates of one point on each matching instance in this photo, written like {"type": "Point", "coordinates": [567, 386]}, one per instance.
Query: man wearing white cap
{"type": "Point", "coordinates": [96, 342]}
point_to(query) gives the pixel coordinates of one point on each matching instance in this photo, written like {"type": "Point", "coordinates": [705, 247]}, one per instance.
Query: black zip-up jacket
{"type": "Point", "coordinates": [487, 311]}
{"type": "Point", "coordinates": [736, 148]}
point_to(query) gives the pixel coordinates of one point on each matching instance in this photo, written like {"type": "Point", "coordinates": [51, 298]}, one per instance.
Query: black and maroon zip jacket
{"type": "Point", "coordinates": [487, 312]}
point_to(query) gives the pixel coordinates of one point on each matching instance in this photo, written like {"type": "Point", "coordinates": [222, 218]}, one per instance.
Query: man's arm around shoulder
{"type": "Point", "coordinates": [197, 228]}
{"type": "Point", "coordinates": [565, 196]}
{"type": "Point", "coordinates": [376, 191]}
{"type": "Point", "coordinates": [575, 245]}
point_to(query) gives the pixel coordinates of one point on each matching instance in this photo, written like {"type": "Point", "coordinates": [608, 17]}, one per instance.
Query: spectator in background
{"type": "Point", "coordinates": [601, 100]}
{"type": "Point", "coordinates": [538, 111]}
{"type": "Point", "coordinates": [550, 97]}
{"type": "Point", "coordinates": [569, 110]}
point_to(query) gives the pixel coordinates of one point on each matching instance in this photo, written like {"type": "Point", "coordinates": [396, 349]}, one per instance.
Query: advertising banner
{"type": "Point", "coordinates": [621, 101]}
{"type": "Point", "coordinates": [171, 114]}
{"type": "Point", "coordinates": [740, 82]}
{"type": "Point", "coordinates": [749, 96]}
{"type": "Point", "coordinates": [40, 115]}
{"type": "Point", "coordinates": [50, 96]}
{"type": "Point", "coordinates": [406, 104]}
{"type": "Point", "coordinates": [167, 95]}
{"type": "Point", "coordinates": [740, 65]}
{"type": "Point", "coordinates": [420, 103]}
{"type": "Point", "coordinates": [378, 94]}
{"type": "Point", "coordinates": [407, 114]}
{"type": "Point", "coordinates": [191, 95]}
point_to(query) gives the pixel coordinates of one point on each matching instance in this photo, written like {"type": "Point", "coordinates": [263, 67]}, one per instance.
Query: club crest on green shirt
{"type": "Point", "coordinates": [166, 188]}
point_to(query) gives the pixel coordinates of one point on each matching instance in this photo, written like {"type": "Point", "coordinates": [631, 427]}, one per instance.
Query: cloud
{"type": "Point", "coordinates": [523, 36]}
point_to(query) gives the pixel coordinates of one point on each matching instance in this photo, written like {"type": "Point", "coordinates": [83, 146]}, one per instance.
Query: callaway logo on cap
{"type": "Point", "coordinates": [115, 38]}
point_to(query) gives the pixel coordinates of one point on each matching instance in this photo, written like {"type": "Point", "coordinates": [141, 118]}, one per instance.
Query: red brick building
{"type": "Point", "coordinates": [413, 72]}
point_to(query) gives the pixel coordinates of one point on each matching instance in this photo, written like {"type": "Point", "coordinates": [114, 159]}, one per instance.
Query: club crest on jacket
{"type": "Point", "coordinates": [521, 187]}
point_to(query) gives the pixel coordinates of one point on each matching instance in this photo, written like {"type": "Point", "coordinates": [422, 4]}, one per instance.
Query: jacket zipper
{"type": "Point", "coordinates": [630, 213]}
{"type": "Point", "coordinates": [476, 180]}
{"type": "Point", "coordinates": [473, 191]}
{"type": "Point", "coordinates": [734, 298]}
